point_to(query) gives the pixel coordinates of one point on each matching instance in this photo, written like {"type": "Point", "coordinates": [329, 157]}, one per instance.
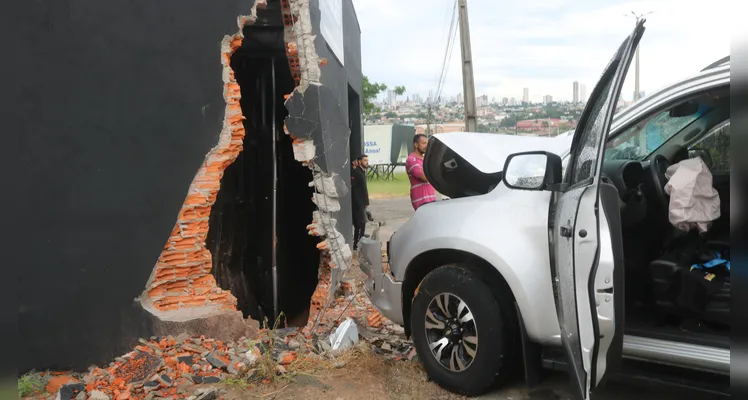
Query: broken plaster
{"type": "Point", "coordinates": [307, 124]}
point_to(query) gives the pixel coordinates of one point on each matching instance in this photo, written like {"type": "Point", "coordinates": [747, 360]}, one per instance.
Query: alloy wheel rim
{"type": "Point", "coordinates": [451, 332]}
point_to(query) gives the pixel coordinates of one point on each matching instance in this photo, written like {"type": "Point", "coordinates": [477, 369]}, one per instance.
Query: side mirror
{"type": "Point", "coordinates": [684, 109]}
{"type": "Point", "coordinates": [533, 170]}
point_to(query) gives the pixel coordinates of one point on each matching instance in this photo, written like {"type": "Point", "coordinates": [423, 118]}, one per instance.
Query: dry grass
{"type": "Point", "coordinates": [356, 373]}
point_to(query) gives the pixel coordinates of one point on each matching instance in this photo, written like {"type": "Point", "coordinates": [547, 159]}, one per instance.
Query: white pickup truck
{"type": "Point", "coordinates": [562, 254]}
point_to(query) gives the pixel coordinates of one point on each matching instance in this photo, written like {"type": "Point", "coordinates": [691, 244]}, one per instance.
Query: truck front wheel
{"type": "Point", "coordinates": [461, 331]}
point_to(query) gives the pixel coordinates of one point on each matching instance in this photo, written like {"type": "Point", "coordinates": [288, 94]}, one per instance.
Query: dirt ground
{"type": "Point", "coordinates": [368, 376]}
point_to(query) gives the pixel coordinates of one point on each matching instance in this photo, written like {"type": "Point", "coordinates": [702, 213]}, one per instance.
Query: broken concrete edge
{"type": "Point", "coordinates": [181, 278]}
{"type": "Point", "coordinates": [301, 50]}
{"type": "Point", "coordinates": [210, 321]}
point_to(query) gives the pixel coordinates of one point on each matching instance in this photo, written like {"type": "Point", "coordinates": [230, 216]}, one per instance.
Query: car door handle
{"type": "Point", "coordinates": [566, 231]}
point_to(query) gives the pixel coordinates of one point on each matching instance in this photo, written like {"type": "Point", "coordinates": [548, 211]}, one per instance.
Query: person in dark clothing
{"type": "Point", "coordinates": [359, 198]}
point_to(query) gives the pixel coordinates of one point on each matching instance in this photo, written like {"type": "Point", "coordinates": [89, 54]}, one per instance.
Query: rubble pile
{"type": "Point", "coordinates": [162, 368]}
{"type": "Point", "coordinates": [182, 367]}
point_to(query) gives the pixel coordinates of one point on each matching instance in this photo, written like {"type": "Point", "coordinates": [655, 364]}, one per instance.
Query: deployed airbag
{"type": "Point", "coordinates": [694, 203]}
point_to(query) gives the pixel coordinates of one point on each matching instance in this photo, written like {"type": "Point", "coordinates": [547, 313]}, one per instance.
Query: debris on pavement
{"type": "Point", "coordinates": [57, 382]}
{"type": "Point", "coordinates": [345, 336]}
{"type": "Point", "coordinates": [165, 367]}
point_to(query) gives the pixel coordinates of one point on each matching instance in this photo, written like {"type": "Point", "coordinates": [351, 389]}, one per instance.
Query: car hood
{"type": "Point", "coordinates": [461, 164]}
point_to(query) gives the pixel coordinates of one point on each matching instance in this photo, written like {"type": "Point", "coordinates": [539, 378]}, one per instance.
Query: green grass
{"type": "Point", "coordinates": [29, 384]}
{"type": "Point", "coordinates": [398, 187]}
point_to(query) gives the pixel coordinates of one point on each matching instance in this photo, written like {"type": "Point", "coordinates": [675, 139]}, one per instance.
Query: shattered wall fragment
{"type": "Point", "coordinates": [320, 130]}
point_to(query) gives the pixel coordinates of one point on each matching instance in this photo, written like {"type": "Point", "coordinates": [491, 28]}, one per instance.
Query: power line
{"type": "Point", "coordinates": [451, 35]}
{"type": "Point", "coordinates": [448, 34]}
{"type": "Point", "coordinates": [446, 66]}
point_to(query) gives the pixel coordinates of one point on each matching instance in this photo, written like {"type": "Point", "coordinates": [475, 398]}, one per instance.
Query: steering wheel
{"type": "Point", "coordinates": [657, 167]}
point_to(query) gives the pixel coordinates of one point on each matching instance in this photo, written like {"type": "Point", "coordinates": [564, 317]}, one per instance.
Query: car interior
{"type": "Point", "coordinates": [677, 282]}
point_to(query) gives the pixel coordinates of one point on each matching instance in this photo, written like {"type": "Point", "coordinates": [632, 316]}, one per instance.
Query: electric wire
{"type": "Point", "coordinates": [451, 36]}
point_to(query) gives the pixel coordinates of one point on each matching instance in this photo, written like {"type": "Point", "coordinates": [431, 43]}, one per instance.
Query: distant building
{"type": "Point", "coordinates": [391, 97]}
{"type": "Point", "coordinates": [582, 93]}
{"type": "Point", "coordinates": [442, 128]}
{"type": "Point", "coordinates": [512, 101]}
{"type": "Point", "coordinates": [576, 92]}
{"type": "Point", "coordinates": [547, 99]}
{"type": "Point", "coordinates": [486, 112]}
{"type": "Point", "coordinates": [504, 101]}
{"type": "Point", "coordinates": [539, 124]}
{"type": "Point", "coordinates": [526, 95]}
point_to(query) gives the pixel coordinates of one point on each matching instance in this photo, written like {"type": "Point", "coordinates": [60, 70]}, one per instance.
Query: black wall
{"type": "Point", "coordinates": [337, 78]}
{"type": "Point", "coordinates": [118, 104]}
{"type": "Point", "coordinates": [352, 37]}
{"type": "Point", "coordinates": [115, 105]}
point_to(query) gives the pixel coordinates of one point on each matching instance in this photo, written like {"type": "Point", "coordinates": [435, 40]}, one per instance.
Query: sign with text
{"type": "Point", "coordinates": [331, 26]}
{"type": "Point", "coordinates": [378, 144]}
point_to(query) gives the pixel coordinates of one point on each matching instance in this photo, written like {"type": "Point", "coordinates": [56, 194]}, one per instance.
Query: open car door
{"type": "Point", "coordinates": [584, 233]}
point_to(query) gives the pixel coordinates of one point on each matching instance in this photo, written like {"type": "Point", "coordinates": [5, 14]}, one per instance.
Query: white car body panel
{"type": "Point", "coordinates": [511, 246]}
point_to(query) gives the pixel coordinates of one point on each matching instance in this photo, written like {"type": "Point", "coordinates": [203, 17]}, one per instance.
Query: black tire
{"type": "Point", "coordinates": [495, 351]}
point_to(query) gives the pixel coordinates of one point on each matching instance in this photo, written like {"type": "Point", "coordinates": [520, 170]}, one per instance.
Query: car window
{"type": "Point", "coordinates": [640, 140]}
{"type": "Point", "coordinates": [714, 149]}
{"type": "Point", "coordinates": [585, 156]}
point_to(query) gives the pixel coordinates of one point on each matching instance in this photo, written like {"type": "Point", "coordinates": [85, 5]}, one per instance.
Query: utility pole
{"type": "Point", "coordinates": [636, 65]}
{"type": "Point", "coordinates": [468, 82]}
{"type": "Point", "coordinates": [429, 117]}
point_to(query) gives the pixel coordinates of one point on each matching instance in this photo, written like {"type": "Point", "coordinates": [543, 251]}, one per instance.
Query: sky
{"type": "Point", "coordinates": [543, 45]}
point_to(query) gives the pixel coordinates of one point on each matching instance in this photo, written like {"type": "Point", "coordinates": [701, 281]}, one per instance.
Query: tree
{"type": "Point", "coordinates": [371, 90]}
{"type": "Point", "coordinates": [400, 90]}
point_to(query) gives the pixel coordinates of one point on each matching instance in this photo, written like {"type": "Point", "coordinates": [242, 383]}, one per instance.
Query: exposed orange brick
{"type": "Point", "coordinates": [166, 308]}
{"type": "Point", "coordinates": [195, 198]}
{"type": "Point", "coordinates": [206, 279]}
{"type": "Point", "coordinates": [375, 319]}
{"type": "Point", "coordinates": [57, 382]}
{"type": "Point", "coordinates": [182, 274]}
{"type": "Point", "coordinates": [157, 292]}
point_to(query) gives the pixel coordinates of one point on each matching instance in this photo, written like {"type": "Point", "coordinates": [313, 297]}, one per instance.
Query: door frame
{"type": "Point", "coordinates": [599, 287]}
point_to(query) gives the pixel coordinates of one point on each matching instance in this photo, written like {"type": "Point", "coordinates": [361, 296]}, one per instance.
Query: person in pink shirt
{"type": "Point", "coordinates": [421, 191]}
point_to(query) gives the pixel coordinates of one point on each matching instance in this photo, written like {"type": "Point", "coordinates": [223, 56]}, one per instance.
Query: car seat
{"type": "Point", "coordinates": [686, 285]}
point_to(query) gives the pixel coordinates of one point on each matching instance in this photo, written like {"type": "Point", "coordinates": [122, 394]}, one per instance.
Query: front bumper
{"type": "Point", "coordinates": [383, 291]}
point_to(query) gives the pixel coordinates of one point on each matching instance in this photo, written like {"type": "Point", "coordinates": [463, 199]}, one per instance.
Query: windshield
{"type": "Point", "coordinates": [642, 139]}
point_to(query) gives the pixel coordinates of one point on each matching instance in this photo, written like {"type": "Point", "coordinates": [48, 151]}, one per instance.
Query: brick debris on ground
{"type": "Point", "coordinates": [186, 367]}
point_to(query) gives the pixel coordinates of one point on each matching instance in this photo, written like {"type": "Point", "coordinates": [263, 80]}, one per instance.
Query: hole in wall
{"type": "Point", "coordinates": [240, 236]}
